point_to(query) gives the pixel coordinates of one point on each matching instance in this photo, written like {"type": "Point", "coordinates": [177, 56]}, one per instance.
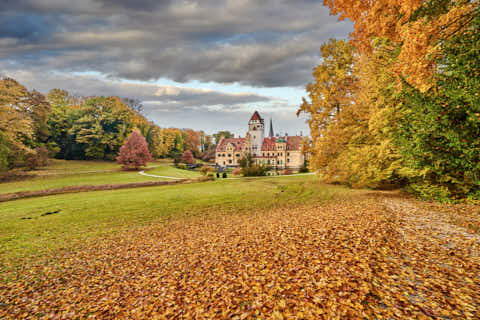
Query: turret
{"type": "Point", "coordinates": [256, 131]}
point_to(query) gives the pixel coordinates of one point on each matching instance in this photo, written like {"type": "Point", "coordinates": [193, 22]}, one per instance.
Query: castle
{"type": "Point", "coordinates": [279, 152]}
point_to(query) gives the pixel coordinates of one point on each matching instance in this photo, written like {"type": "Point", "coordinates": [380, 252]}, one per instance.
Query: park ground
{"type": "Point", "coordinates": [266, 248]}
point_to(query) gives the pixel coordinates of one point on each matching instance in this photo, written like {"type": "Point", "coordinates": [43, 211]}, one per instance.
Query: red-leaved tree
{"type": "Point", "coordinates": [134, 152]}
{"type": "Point", "coordinates": [187, 157]}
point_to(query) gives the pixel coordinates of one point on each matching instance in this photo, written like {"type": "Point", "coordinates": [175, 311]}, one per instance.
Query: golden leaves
{"type": "Point", "coordinates": [349, 260]}
{"type": "Point", "coordinates": [417, 38]}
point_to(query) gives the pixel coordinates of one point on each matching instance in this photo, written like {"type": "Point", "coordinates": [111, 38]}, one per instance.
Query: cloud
{"type": "Point", "coordinates": [266, 43]}
{"type": "Point", "coordinates": [159, 95]}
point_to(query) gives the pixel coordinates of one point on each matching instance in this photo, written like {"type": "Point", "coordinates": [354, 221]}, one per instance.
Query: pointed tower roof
{"type": "Point", "coordinates": [256, 116]}
{"type": "Point", "coordinates": [271, 134]}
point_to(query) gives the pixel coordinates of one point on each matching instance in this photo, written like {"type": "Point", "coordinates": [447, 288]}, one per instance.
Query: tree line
{"type": "Point", "coordinates": [399, 104]}
{"type": "Point", "coordinates": [34, 126]}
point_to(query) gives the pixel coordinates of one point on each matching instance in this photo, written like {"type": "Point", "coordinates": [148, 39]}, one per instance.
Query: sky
{"type": "Point", "coordinates": [205, 65]}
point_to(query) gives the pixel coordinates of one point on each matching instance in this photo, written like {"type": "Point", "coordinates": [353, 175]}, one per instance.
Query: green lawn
{"type": "Point", "coordinates": [60, 167]}
{"type": "Point", "coordinates": [75, 173]}
{"type": "Point", "coordinates": [25, 232]}
{"type": "Point", "coordinates": [171, 171]}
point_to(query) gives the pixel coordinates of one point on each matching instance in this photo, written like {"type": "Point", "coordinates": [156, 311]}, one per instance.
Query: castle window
{"type": "Point", "coordinates": [238, 155]}
{"type": "Point", "coordinates": [288, 153]}
{"type": "Point", "coordinates": [229, 155]}
{"type": "Point", "coordinates": [229, 161]}
{"type": "Point", "coordinates": [268, 161]}
{"type": "Point", "coordinates": [288, 160]}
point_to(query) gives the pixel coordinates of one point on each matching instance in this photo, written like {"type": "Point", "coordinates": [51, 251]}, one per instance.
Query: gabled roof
{"type": "Point", "coordinates": [256, 116]}
{"type": "Point", "coordinates": [237, 143]}
{"type": "Point", "coordinates": [268, 144]}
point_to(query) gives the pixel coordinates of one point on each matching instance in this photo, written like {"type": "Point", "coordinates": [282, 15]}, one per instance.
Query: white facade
{"type": "Point", "coordinates": [256, 133]}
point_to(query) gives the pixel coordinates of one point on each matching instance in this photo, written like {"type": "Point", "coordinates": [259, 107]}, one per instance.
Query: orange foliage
{"type": "Point", "coordinates": [417, 35]}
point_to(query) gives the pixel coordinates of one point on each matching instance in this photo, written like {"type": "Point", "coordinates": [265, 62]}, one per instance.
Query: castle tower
{"type": "Point", "coordinates": [256, 132]}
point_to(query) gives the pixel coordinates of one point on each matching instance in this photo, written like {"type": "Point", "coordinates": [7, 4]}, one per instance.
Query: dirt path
{"type": "Point", "coordinates": [434, 226]}
{"type": "Point", "coordinates": [378, 256]}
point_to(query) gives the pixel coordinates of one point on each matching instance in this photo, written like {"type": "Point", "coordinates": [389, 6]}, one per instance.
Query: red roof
{"type": "Point", "coordinates": [256, 116]}
{"type": "Point", "coordinates": [293, 143]}
{"type": "Point", "coordinates": [268, 144]}
{"type": "Point", "coordinates": [237, 143]}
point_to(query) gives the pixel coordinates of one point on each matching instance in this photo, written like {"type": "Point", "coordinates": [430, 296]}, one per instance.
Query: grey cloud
{"type": "Point", "coordinates": [260, 43]}
{"type": "Point", "coordinates": [152, 94]}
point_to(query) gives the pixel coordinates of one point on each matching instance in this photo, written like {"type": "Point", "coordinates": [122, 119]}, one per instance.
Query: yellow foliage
{"type": "Point", "coordinates": [416, 36]}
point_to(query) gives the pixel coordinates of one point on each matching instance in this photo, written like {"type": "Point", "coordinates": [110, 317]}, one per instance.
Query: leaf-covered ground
{"type": "Point", "coordinates": [377, 256]}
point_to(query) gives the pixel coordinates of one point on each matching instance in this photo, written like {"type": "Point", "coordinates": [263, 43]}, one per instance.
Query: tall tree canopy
{"type": "Point", "coordinates": [367, 130]}
{"type": "Point", "coordinates": [415, 28]}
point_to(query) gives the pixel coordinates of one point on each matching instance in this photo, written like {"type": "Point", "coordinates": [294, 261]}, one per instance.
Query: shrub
{"type": "Point", "coordinates": [37, 158]}
{"type": "Point", "coordinates": [182, 166]}
{"type": "Point", "coordinates": [286, 171]}
{"type": "Point", "coordinates": [177, 157]}
{"type": "Point", "coordinates": [255, 171]}
{"type": "Point", "coordinates": [303, 169]}
{"type": "Point", "coordinates": [224, 175]}
{"type": "Point", "coordinates": [211, 176]}
{"type": "Point", "coordinates": [134, 152]}
{"type": "Point", "coordinates": [237, 171]}
{"type": "Point", "coordinates": [426, 191]}
{"type": "Point", "coordinates": [205, 170]}
{"type": "Point", "coordinates": [187, 157]}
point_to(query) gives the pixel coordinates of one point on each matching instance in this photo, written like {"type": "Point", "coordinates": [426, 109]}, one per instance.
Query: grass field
{"type": "Point", "coordinates": [73, 173]}
{"type": "Point", "coordinates": [24, 231]}
{"type": "Point", "coordinates": [170, 171]}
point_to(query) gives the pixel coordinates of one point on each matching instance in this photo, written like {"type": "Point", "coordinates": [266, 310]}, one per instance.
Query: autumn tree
{"type": "Point", "coordinates": [23, 122]}
{"type": "Point", "coordinates": [102, 126]}
{"type": "Point", "coordinates": [192, 141]}
{"type": "Point", "coordinates": [331, 93]}
{"type": "Point", "coordinates": [222, 134]}
{"type": "Point", "coordinates": [187, 157]}
{"type": "Point", "coordinates": [414, 27]}
{"type": "Point", "coordinates": [134, 153]}
{"type": "Point", "coordinates": [440, 133]}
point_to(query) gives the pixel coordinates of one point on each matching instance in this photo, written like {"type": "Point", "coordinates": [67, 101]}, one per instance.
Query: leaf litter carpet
{"type": "Point", "coordinates": [374, 257]}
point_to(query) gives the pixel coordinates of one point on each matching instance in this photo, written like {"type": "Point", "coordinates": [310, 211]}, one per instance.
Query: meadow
{"type": "Point", "coordinates": [27, 228]}
{"type": "Point", "coordinates": [249, 248]}
{"type": "Point", "coordinates": [61, 173]}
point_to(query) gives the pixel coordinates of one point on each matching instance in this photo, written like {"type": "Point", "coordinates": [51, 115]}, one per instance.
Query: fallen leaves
{"type": "Point", "coordinates": [363, 258]}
